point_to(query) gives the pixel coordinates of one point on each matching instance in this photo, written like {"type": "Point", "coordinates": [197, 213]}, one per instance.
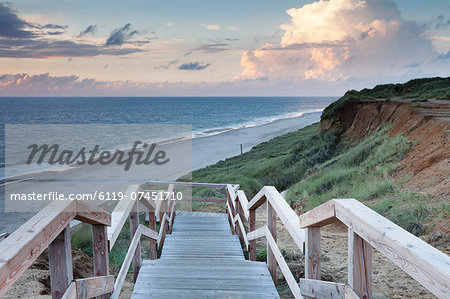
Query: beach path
{"type": "Point", "coordinates": [203, 259]}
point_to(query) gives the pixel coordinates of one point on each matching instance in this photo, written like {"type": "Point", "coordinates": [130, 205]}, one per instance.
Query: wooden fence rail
{"type": "Point", "coordinates": [366, 230]}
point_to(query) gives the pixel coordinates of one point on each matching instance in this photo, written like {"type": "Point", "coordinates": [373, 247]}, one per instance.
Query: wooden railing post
{"type": "Point", "coordinates": [272, 226]}
{"type": "Point", "coordinates": [60, 263]}
{"type": "Point", "coordinates": [134, 224]}
{"type": "Point", "coordinates": [230, 217]}
{"type": "Point", "coordinates": [312, 253]}
{"type": "Point", "coordinates": [251, 227]}
{"type": "Point", "coordinates": [359, 265]}
{"type": "Point", "coordinates": [152, 226]}
{"type": "Point", "coordinates": [100, 252]}
{"type": "Point", "coordinates": [189, 195]}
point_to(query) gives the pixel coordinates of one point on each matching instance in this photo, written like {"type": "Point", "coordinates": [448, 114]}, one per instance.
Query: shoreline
{"type": "Point", "coordinates": [206, 151]}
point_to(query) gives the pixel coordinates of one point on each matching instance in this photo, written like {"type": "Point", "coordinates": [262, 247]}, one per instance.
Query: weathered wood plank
{"type": "Point", "coordinates": [319, 216]}
{"type": "Point", "coordinates": [134, 224]}
{"type": "Point", "coordinates": [60, 263]}
{"type": "Point", "coordinates": [290, 279]}
{"type": "Point", "coordinates": [257, 200]}
{"type": "Point", "coordinates": [244, 202]}
{"type": "Point", "coordinates": [211, 185]}
{"type": "Point", "coordinates": [272, 231]}
{"type": "Point", "coordinates": [256, 234]}
{"type": "Point", "coordinates": [321, 289]}
{"type": "Point", "coordinates": [162, 231]}
{"type": "Point", "coordinates": [349, 293]}
{"type": "Point", "coordinates": [290, 220]}
{"type": "Point", "coordinates": [120, 214]}
{"type": "Point", "coordinates": [126, 264]}
{"type": "Point", "coordinates": [152, 226]}
{"type": "Point", "coordinates": [242, 233]}
{"type": "Point", "coordinates": [94, 286]}
{"type": "Point", "coordinates": [312, 253]}
{"type": "Point", "coordinates": [207, 199]}
{"type": "Point", "coordinates": [230, 217]}
{"type": "Point", "coordinates": [148, 232]}
{"type": "Point", "coordinates": [91, 214]}
{"type": "Point", "coordinates": [71, 292]}
{"type": "Point", "coordinates": [426, 264]}
{"type": "Point", "coordinates": [359, 265]}
{"type": "Point", "coordinates": [253, 234]}
{"type": "Point", "coordinates": [100, 252]}
{"type": "Point", "coordinates": [22, 247]}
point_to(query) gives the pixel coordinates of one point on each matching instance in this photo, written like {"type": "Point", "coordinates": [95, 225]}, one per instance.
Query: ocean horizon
{"type": "Point", "coordinates": [207, 115]}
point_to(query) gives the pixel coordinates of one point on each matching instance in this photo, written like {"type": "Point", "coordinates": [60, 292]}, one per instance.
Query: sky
{"type": "Point", "coordinates": [218, 48]}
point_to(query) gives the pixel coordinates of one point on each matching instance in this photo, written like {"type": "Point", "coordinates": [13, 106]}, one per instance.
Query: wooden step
{"type": "Point", "coordinates": [203, 259]}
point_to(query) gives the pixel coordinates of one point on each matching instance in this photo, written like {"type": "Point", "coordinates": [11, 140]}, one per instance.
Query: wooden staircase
{"type": "Point", "coordinates": [203, 259]}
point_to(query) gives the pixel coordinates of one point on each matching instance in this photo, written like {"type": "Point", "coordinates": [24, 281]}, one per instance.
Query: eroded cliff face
{"type": "Point", "coordinates": [427, 126]}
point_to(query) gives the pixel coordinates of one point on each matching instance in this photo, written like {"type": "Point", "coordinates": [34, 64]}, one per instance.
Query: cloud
{"type": "Point", "coordinates": [91, 29]}
{"type": "Point", "coordinates": [193, 66]}
{"type": "Point", "coordinates": [211, 48]}
{"type": "Point", "coordinates": [211, 26]}
{"type": "Point", "coordinates": [232, 28]}
{"type": "Point", "coordinates": [231, 39]}
{"type": "Point", "coordinates": [169, 24]}
{"type": "Point", "coordinates": [30, 48]}
{"type": "Point", "coordinates": [120, 35]}
{"type": "Point", "coordinates": [166, 66]}
{"type": "Point", "coordinates": [340, 39]}
{"type": "Point", "coordinates": [21, 39]}
{"type": "Point", "coordinates": [11, 26]}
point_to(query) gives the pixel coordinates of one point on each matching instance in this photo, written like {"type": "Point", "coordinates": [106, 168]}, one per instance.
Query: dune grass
{"type": "Point", "coordinates": [281, 162]}
{"type": "Point", "coordinates": [314, 167]}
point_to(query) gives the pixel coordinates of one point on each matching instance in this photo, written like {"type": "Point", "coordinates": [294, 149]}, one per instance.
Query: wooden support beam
{"type": "Point", "coordinates": [71, 292]}
{"type": "Point", "coordinates": [22, 247]}
{"type": "Point", "coordinates": [91, 214]}
{"type": "Point", "coordinates": [149, 233]}
{"type": "Point", "coordinates": [230, 217]}
{"type": "Point", "coordinates": [426, 264]}
{"type": "Point", "coordinates": [290, 279]}
{"type": "Point", "coordinates": [312, 253]}
{"type": "Point", "coordinates": [321, 289]}
{"type": "Point", "coordinates": [189, 195]}
{"type": "Point", "coordinates": [60, 263]}
{"type": "Point", "coordinates": [289, 218]}
{"type": "Point", "coordinates": [257, 200]}
{"type": "Point", "coordinates": [126, 264]}
{"type": "Point", "coordinates": [152, 226]}
{"type": "Point", "coordinates": [272, 230]}
{"type": "Point", "coordinates": [120, 214]}
{"type": "Point", "coordinates": [191, 184]}
{"type": "Point", "coordinates": [359, 265]}
{"type": "Point", "coordinates": [134, 224]}
{"type": "Point", "coordinates": [243, 204]}
{"type": "Point", "coordinates": [94, 286]}
{"type": "Point", "coordinates": [252, 226]}
{"type": "Point", "coordinates": [100, 252]}
{"type": "Point", "coordinates": [349, 293]}
{"type": "Point", "coordinates": [319, 216]}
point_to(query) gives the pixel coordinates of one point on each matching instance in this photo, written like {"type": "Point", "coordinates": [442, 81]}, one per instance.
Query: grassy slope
{"type": "Point", "coordinates": [316, 167]}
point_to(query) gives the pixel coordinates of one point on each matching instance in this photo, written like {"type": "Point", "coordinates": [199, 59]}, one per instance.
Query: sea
{"type": "Point", "coordinates": [207, 115]}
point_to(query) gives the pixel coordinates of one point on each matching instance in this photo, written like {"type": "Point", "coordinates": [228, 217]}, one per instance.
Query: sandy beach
{"type": "Point", "coordinates": [205, 151]}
